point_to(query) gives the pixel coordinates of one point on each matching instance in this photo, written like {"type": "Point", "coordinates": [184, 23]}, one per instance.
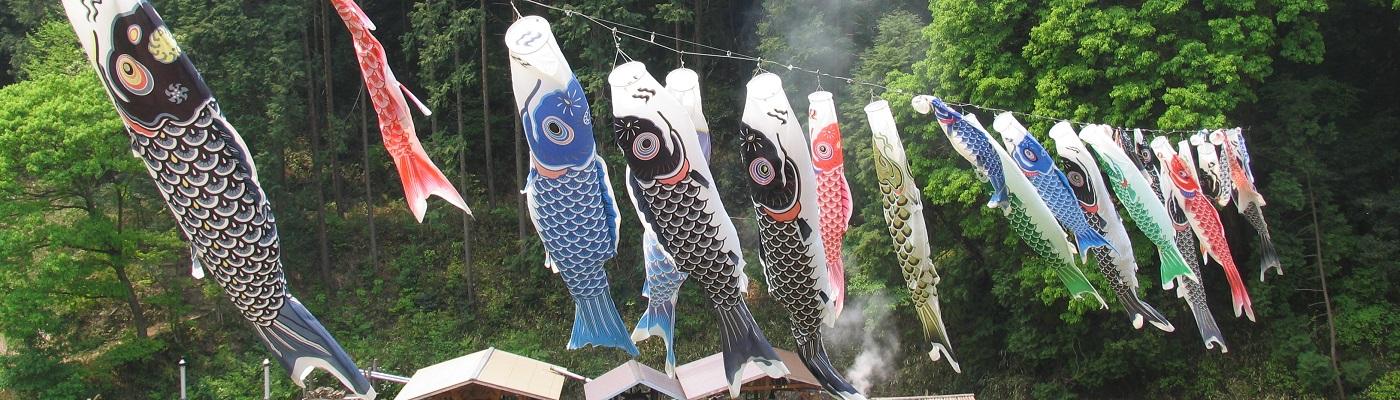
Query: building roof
{"type": "Point", "coordinates": [491, 368]}
{"type": "Point", "coordinates": [629, 375]}
{"type": "Point", "coordinates": [705, 377]}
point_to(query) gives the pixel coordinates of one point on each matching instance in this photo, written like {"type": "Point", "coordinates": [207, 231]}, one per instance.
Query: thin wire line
{"type": "Point", "coordinates": [760, 61]}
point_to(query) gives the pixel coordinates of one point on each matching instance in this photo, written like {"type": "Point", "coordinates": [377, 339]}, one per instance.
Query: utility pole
{"type": "Point", "coordinates": [182, 381]}
{"type": "Point", "coordinates": [267, 381]}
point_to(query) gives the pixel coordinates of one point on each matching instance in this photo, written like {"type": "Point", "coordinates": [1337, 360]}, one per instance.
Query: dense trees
{"type": "Point", "coordinates": [95, 296]}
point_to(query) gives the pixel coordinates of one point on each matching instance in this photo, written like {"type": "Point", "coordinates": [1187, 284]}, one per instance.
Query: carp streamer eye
{"type": "Point", "coordinates": [646, 146]}
{"type": "Point", "coordinates": [1076, 179]}
{"type": "Point", "coordinates": [134, 76]}
{"type": "Point", "coordinates": [557, 131]}
{"type": "Point", "coordinates": [823, 151]}
{"type": "Point", "coordinates": [1030, 155]}
{"type": "Point", "coordinates": [761, 171]}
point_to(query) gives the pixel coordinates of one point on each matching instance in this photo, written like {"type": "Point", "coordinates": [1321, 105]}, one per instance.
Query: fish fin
{"type": "Point", "coordinates": [1173, 265]}
{"type": "Point", "coordinates": [597, 322]}
{"type": "Point", "coordinates": [659, 320]}
{"type": "Point", "coordinates": [744, 342]}
{"type": "Point", "coordinates": [614, 216]}
{"type": "Point", "coordinates": [1075, 281]}
{"type": "Point", "coordinates": [1205, 321]}
{"type": "Point", "coordinates": [1239, 296]}
{"type": "Point", "coordinates": [1087, 239]}
{"type": "Point", "coordinates": [699, 178]}
{"type": "Point", "coordinates": [299, 342]}
{"type": "Point", "coordinates": [1139, 312]}
{"type": "Point", "coordinates": [423, 108]}
{"type": "Point", "coordinates": [196, 269]}
{"type": "Point", "coordinates": [1268, 256]}
{"type": "Point", "coordinates": [422, 179]}
{"type": "Point", "coordinates": [813, 355]}
{"type": "Point", "coordinates": [549, 264]}
{"type": "Point", "coordinates": [998, 194]}
{"type": "Point", "coordinates": [931, 316]}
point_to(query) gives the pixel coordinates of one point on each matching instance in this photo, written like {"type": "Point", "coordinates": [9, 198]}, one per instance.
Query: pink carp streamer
{"type": "Point", "coordinates": [421, 178]}
{"type": "Point", "coordinates": [833, 193]}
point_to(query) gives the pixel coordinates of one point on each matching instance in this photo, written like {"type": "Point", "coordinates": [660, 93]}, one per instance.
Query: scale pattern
{"type": "Point", "coordinates": [1024, 225]}
{"type": "Point", "coordinates": [1226, 176]}
{"type": "Point", "coordinates": [663, 279]}
{"type": "Point", "coordinates": [574, 216]}
{"type": "Point", "coordinates": [901, 201]}
{"type": "Point", "coordinates": [787, 264]}
{"type": "Point", "coordinates": [1194, 291]}
{"type": "Point", "coordinates": [200, 171]}
{"type": "Point", "coordinates": [1064, 205]}
{"type": "Point", "coordinates": [834, 197]}
{"type": "Point", "coordinates": [1207, 224]}
{"type": "Point", "coordinates": [1161, 236]}
{"type": "Point", "coordinates": [691, 235]}
{"type": "Point", "coordinates": [975, 145]}
{"type": "Point", "coordinates": [919, 274]}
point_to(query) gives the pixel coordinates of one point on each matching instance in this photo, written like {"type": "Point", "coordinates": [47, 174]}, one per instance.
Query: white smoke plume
{"type": "Point", "coordinates": [865, 319]}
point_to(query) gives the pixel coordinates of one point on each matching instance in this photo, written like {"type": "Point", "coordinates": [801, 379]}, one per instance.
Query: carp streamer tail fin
{"type": "Point", "coordinates": [1174, 266]}
{"type": "Point", "coordinates": [301, 345]}
{"type": "Point", "coordinates": [1087, 239]}
{"type": "Point", "coordinates": [1205, 321]}
{"type": "Point", "coordinates": [597, 322]}
{"type": "Point", "coordinates": [1140, 312]}
{"type": "Point", "coordinates": [1075, 281]}
{"type": "Point", "coordinates": [1268, 255]}
{"type": "Point", "coordinates": [931, 315]}
{"type": "Point", "coordinates": [998, 195]}
{"type": "Point", "coordinates": [659, 320]}
{"type": "Point", "coordinates": [1238, 295]}
{"type": "Point", "coordinates": [744, 342]}
{"type": "Point", "coordinates": [421, 179]}
{"type": "Point", "coordinates": [813, 355]}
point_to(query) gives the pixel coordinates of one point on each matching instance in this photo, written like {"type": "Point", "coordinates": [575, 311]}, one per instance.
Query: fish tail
{"type": "Point", "coordinates": [1238, 294]}
{"type": "Point", "coordinates": [1205, 321]}
{"type": "Point", "coordinates": [931, 315]}
{"type": "Point", "coordinates": [1174, 266]}
{"type": "Point", "coordinates": [744, 342]}
{"type": "Point", "coordinates": [1268, 254]}
{"type": "Point", "coordinates": [597, 322]}
{"type": "Point", "coordinates": [836, 275]}
{"type": "Point", "coordinates": [1076, 282]}
{"type": "Point", "coordinates": [998, 194]}
{"type": "Point", "coordinates": [813, 355]}
{"type": "Point", "coordinates": [659, 320]}
{"type": "Point", "coordinates": [301, 345]}
{"type": "Point", "coordinates": [1139, 311]}
{"type": "Point", "coordinates": [1087, 239]}
{"type": "Point", "coordinates": [421, 179]}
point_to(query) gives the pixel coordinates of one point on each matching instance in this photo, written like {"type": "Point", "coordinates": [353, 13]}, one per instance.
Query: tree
{"type": "Point", "coordinates": [74, 236]}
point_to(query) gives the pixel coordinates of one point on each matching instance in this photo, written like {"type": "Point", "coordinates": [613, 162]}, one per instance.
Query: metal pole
{"type": "Point", "coordinates": [182, 380]}
{"type": "Point", "coordinates": [267, 381]}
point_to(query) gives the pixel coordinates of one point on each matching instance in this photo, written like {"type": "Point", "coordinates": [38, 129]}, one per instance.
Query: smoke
{"type": "Point", "coordinates": [865, 320]}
